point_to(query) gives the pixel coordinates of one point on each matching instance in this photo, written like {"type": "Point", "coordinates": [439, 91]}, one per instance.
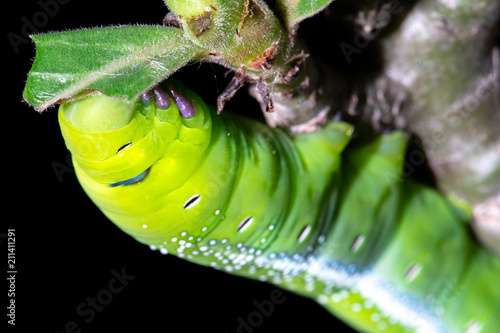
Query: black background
{"type": "Point", "coordinates": [66, 249]}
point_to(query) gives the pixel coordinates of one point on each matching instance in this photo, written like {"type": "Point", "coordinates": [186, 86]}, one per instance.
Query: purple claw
{"type": "Point", "coordinates": [186, 107]}
{"type": "Point", "coordinates": [162, 101]}
{"type": "Point", "coordinates": [147, 97]}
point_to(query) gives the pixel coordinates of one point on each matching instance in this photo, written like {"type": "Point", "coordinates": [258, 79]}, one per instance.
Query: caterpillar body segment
{"type": "Point", "coordinates": [314, 213]}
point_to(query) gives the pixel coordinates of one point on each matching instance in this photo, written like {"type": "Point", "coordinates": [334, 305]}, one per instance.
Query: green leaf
{"type": "Point", "coordinates": [120, 61]}
{"type": "Point", "coordinates": [295, 11]}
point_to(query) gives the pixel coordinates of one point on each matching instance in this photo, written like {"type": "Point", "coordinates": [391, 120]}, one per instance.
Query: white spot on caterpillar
{"type": "Point", "coordinates": [473, 327]}
{"type": "Point", "coordinates": [183, 233]}
{"type": "Point", "coordinates": [204, 229]}
{"type": "Point", "coordinates": [368, 304]}
{"type": "Point", "coordinates": [217, 212]}
{"type": "Point", "coordinates": [152, 247]}
{"type": "Point", "coordinates": [356, 307]}
{"type": "Point", "coordinates": [174, 239]}
{"type": "Point", "coordinates": [382, 325]}
{"type": "Point", "coordinates": [358, 241]}
{"type": "Point", "coordinates": [245, 224]}
{"type": "Point", "coordinates": [344, 294]}
{"type": "Point", "coordinates": [412, 272]}
{"type": "Point", "coordinates": [322, 299]}
{"type": "Point", "coordinates": [439, 311]}
{"type": "Point", "coordinates": [303, 234]}
{"type": "Point", "coordinates": [321, 239]}
{"type": "Point", "coordinates": [212, 242]}
{"type": "Point", "coordinates": [271, 227]}
{"type": "Point", "coordinates": [164, 251]}
{"type": "Point", "coordinates": [375, 317]}
{"type": "Point", "coordinates": [336, 298]}
{"type": "Point", "coordinates": [193, 201]}
{"type": "Point", "coordinates": [144, 226]}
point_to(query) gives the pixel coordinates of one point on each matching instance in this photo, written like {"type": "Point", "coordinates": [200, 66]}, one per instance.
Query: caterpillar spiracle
{"type": "Point", "coordinates": [325, 217]}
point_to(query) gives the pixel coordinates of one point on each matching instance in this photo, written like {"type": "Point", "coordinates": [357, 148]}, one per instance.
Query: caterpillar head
{"type": "Point", "coordinates": [127, 155]}
{"type": "Point", "coordinates": [116, 141]}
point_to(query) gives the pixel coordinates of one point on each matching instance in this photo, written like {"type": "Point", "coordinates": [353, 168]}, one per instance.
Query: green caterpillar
{"type": "Point", "coordinates": [310, 213]}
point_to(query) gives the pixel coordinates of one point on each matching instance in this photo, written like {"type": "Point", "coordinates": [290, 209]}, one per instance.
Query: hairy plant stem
{"type": "Point", "coordinates": [446, 58]}
{"type": "Point", "coordinates": [293, 89]}
{"type": "Point", "coordinates": [445, 54]}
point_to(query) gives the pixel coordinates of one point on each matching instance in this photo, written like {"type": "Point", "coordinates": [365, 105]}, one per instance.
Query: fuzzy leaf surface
{"type": "Point", "coordinates": [120, 61]}
{"type": "Point", "coordinates": [295, 11]}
